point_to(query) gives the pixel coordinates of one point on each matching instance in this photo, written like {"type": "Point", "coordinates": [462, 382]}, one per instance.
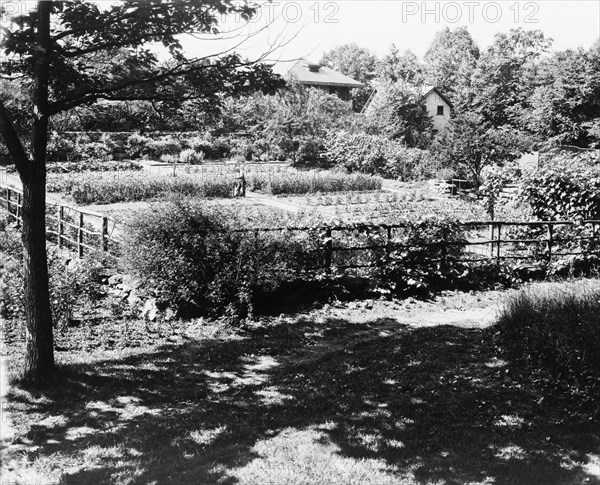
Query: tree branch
{"type": "Point", "coordinates": [12, 141]}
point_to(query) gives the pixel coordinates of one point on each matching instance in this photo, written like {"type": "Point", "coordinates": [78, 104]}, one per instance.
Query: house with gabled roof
{"type": "Point", "coordinates": [439, 107]}
{"type": "Point", "coordinates": [315, 75]}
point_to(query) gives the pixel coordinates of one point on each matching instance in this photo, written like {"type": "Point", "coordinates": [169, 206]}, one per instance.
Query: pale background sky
{"type": "Point", "coordinates": [313, 27]}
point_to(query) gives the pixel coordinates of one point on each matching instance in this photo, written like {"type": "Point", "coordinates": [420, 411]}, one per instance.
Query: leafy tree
{"type": "Point", "coordinates": [289, 120]}
{"type": "Point", "coordinates": [566, 108]}
{"type": "Point", "coordinates": [75, 53]}
{"type": "Point", "coordinates": [450, 61]}
{"type": "Point", "coordinates": [400, 113]}
{"type": "Point", "coordinates": [403, 68]}
{"type": "Point", "coordinates": [506, 75]}
{"type": "Point", "coordinates": [358, 63]}
{"type": "Point", "coordinates": [469, 143]}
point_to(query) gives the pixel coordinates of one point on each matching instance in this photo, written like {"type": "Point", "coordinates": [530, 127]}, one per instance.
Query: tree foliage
{"type": "Point", "coordinates": [70, 54]}
{"type": "Point", "coordinates": [506, 75]}
{"type": "Point", "coordinates": [400, 114]}
{"type": "Point", "coordinates": [358, 63]}
{"type": "Point", "coordinates": [450, 61]}
{"type": "Point", "coordinates": [404, 68]}
{"type": "Point", "coordinates": [289, 121]}
{"type": "Point", "coordinates": [469, 143]}
{"type": "Point", "coordinates": [565, 109]}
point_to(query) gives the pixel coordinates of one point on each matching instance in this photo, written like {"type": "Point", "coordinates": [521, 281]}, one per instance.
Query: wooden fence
{"type": "Point", "coordinates": [483, 241]}
{"type": "Point", "coordinates": [349, 246]}
{"type": "Point", "coordinates": [70, 228]}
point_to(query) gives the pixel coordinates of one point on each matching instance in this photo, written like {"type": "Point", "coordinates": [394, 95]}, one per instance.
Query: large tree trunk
{"type": "Point", "coordinates": [39, 358]}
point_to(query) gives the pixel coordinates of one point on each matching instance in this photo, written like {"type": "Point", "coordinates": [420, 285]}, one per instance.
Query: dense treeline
{"type": "Point", "coordinates": [508, 98]}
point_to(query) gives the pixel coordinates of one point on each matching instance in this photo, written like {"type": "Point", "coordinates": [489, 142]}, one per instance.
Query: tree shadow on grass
{"type": "Point", "coordinates": [436, 401]}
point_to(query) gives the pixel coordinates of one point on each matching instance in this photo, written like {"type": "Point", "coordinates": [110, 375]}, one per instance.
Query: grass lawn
{"type": "Point", "coordinates": [352, 394]}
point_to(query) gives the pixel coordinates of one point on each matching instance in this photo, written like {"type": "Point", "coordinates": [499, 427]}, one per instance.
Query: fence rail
{"type": "Point", "coordinates": [343, 247]}
{"type": "Point", "coordinates": [69, 227]}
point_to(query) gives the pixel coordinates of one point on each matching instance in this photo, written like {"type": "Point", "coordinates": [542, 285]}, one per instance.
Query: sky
{"type": "Point", "coordinates": [308, 28]}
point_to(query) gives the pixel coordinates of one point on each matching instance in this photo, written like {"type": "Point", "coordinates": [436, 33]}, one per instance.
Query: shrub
{"type": "Point", "coordinates": [377, 154]}
{"type": "Point", "coordinates": [553, 330]}
{"type": "Point", "coordinates": [212, 148]}
{"type": "Point", "coordinates": [71, 284]}
{"type": "Point", "coordinates": [191, 156]}
{"type": "Point", "coordinates": [563, 192]}
{"type": "Point", "coordinates": [169, 158]}
{"type": "Point", "coordinates": [311, 153]}
{"type": "Point", "coordinates": [424, 257]}
{"type": "Point", "coordinates": [166, 145]}
{"type": "Point", "coordinates": [93, 151]}
{"type": "Point", "coordinates": [61, 149]}
{"type": "Point", "coordinates": [138, 145]}
{"type": "Point", "coordinates": [199, 261]}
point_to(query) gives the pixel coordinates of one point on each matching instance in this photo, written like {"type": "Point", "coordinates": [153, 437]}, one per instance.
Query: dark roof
{"type": "Point", "coordinates": [307, 72]}
{"type": "Point", "coordinates": [429, 89]}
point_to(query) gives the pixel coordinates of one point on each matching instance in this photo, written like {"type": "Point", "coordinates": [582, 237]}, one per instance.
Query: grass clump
{"type": "Point", "coordinates": [112, 187]}
{"type": "Point", "coordinates": [311, 182]}
{"type": "Point", "coordinates": [554, 330]}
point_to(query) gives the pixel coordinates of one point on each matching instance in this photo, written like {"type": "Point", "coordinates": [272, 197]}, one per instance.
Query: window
{"type": "Point", "coordinates": [440, 110]}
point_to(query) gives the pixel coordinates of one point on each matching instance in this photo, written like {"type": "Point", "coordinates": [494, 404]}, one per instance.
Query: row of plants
{"type": "Point", "coordinates": [88, 166]}
{"type": "Point", "coordinates": [312, 182]}
{"type": "Point", "coordinates": [132, 186]}
{"type": "Point", "coordinates": [113, 187]}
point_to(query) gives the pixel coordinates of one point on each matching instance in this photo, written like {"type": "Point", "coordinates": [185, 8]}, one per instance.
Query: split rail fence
{"type": "Point", "coordinates": [70, 228]}
{"type": "Point", "coordinates": [351, 246]}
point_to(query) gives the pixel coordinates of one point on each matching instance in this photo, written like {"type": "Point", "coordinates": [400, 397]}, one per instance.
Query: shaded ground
{"type": "Point", "coordinates": [350, 394]}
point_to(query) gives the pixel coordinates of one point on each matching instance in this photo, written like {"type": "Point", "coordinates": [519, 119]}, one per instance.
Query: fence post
{"type": "Point", "coordinates": [388, 246]}
{"type": "Point", "coordinates": [104, 240]}
{"type": "Point", "coordinates": [499, 242]}
{"type": "Point", "coordinates": [444, 248]}
{"type": "Point", "coordinates": [6, 193]}
{"type": "Point", "coordinates": [80, 236]}
{"type": "Point", "coordinates": [19, 203]}
{"type": "Point", "coordinates": [549, 231]}
{"type": "Point", "coordinates": [61, 218]}
{"type": "Point", "coordinates": [328, 250]}
{"type": "Point", "coordinates": [491, 239]}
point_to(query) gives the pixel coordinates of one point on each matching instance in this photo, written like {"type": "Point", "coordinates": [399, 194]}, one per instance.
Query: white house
{"type": "Point", "coordinates": [438, 106]}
